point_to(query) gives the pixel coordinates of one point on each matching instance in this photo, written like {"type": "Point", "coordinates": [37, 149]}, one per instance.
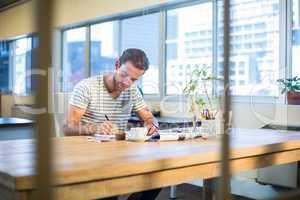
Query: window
{"type": "Point", "coordinates": [107, 41]}
{"type": "Point", "coordinates": [242, 65]}
{"type": "Point", "coordinates": [172, 52]}
{"type": "Point", "coordinates": [16, 64]}
{"type": "Point", "coordinates": [21, 62]}
{"type": "Point", "coordinates": [259, 50]}
{"type": "Point", "coordinates": [241, 72]}
{"type": "Point", "coordinates": [247, 27]}
{"type": "Point", "coordinates": [143, 32]}
{"type": "Point", "coordinates": [74, 49]}
{"type": "Point", "coordinates": [241, 82]}
{"type": "Point", "coordinates": [180, 54]}
{"type": "Point", "coordinates": [189, 44]}
{"type": "Point", "coordinates": [296, 38]}
{"type": "Point", "coordinates": [104, 47]}
{"type": "Point", "coordinates": [4, 66]}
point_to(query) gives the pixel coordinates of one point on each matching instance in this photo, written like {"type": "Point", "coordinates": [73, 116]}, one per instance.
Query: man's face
{"type": "Point", "coordinates": [126, 75]}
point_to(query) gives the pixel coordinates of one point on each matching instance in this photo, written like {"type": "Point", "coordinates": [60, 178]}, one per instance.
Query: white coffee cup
{"type": "Point", "coordinates": [138, 134]}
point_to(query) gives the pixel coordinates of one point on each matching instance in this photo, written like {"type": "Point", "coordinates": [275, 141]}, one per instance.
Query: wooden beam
{"type": "Point", "coordinates": [44, 121]}
{"type": "Point", "coordinates": [224, 187]}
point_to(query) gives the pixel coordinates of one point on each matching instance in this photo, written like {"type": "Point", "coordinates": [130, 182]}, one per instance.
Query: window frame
{"type": "Point", "coordinates": [162, 9]}
{"type": "Point", "coordinates": [285, 24]}
{"type": "Point", "coordinates": [290, 36]}
{"type": "Point", "coordinates": [176, 97]}
{"type": "Point", "coordinates": [148, 96]}
{"type": "Point", "coordinates": [86, 67]}
{"type": "Point", "coordinates": [12, 54]}
{"type": "Point", "coordinates": [89, 41]}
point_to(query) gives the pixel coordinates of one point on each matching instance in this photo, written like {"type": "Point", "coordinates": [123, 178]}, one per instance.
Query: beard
{"type": "Point", "coordinates": [119, 85]}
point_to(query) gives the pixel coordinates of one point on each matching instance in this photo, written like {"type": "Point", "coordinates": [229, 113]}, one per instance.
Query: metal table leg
{"type": "Point", "coordinates": [173, 192]}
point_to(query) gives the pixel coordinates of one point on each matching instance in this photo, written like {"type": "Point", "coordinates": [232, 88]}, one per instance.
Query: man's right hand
{"type": "Point", "coordinates": [107, 128]}
{"type": "Point", "coordinates": [73, 127]}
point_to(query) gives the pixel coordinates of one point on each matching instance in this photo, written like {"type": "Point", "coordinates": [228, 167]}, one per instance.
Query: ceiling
{"type": "Point", "coordinates": [7, 3]}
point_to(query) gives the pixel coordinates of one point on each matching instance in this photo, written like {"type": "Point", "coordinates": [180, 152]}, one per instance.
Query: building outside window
{"type": "Point", "coordinates": [73, 66]}
{"type": "Point", "coordinates": [254, 59]}
{"type": "Point", "coordinates": [16, 64]}
{"type": "Point", "coordinates": [296, 38]}
{"type": "Point", "coordinates": [104, 47]}
{"type": "Point", "coordinates": [255, 30]}
{"type": "Point", "coordinates": [21, 65]}
{"type": "Point", "coordinates": [4, 66]}
{"type": "Point", "coordinates": [143, 32]}
{"type": "Point", "coordinates": [188, 44]}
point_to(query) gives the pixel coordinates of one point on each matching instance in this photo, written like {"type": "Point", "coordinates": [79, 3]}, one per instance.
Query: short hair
{"type": "Point", "coordinates": [137, 57]}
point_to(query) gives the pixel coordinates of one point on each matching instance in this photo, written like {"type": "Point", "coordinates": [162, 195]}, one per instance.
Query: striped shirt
{"type": "Point", "coordinates": [92, 95]}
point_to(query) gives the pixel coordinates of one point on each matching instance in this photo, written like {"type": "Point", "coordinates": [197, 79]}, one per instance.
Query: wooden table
{"type": "Point", "coordinates": [16, 128]}
{"type": "Point", "coordinates": [89, 170]}
{"type": "Point", "coordinates": [13, 122]}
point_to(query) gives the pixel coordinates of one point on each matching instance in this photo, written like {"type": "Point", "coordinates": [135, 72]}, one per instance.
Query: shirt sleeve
{"type": "Point", "coordinates": [137, 99]}
{"type": "Point", "coordinates": [80, 96]}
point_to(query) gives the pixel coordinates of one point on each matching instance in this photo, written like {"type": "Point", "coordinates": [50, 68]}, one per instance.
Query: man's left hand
{"type": "Point", "coordinates": [152, 128]}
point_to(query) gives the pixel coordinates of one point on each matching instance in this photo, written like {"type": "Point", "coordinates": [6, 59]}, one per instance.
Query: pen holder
{"type": "Point", "coordinates": [209, 127]}
{"type": "Point", "coordinates": [119, 135]}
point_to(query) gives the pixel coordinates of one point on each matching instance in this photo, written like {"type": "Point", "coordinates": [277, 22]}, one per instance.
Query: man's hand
{"type": "Point", "coordinates": [152, 128]}
{"type": "Point", "coordinates": [107, 128]}
{"type": "Point", "coordinates": [151, 123]}
{"type": "Point", "coordinates": [73, 125]}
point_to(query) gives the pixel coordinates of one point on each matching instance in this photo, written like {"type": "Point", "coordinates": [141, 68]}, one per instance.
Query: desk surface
{"type": "Point", "coordinates": [78, 161]}
{"type": "Point", "coordinates": [11, 121]}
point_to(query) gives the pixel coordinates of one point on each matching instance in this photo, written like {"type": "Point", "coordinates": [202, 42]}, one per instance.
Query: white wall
{"type": "Point", "coordinates": [19, 20]}
{"type": "Point", "coordinates": [74, 11]}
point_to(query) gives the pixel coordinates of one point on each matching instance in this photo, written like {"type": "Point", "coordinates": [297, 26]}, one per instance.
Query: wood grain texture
{"type": "Point", "coordinates": [89, 169]}
{"type": "Point", "coordinates": [129, 184]}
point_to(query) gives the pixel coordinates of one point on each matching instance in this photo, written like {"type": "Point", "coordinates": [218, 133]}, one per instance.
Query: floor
{"type": "Point", "coordinates": [188, 192]}
{"type": "Point", "coordinates": [241, 189]}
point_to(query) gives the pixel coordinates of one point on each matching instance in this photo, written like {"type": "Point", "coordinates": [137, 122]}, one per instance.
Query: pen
{"type": "Point", "coordinates": [152, 127]}
{"type": "Point", "coordinates": [106, 117]}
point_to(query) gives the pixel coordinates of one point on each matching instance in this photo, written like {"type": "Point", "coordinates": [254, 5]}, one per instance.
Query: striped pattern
{"type": "Point", "coordinates": [91, 94]}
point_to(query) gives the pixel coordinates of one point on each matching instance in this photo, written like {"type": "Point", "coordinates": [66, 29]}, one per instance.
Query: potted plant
{"type": "Point", "coordinates": [201, 101]}
{"type": "Point", "coordinates": [291, 86]}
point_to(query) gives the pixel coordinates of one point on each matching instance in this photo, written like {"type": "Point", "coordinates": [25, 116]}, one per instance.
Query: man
{"type": "Point", "coordinates": [111, 96]}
